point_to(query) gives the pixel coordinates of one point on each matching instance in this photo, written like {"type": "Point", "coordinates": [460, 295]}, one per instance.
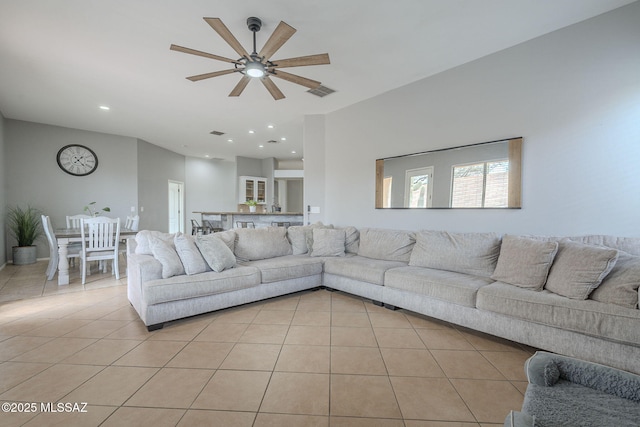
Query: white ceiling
{"type": "Point", "coordinates": [60, 60]}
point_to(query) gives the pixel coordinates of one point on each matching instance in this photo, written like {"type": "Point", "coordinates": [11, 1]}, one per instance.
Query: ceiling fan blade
{"type": "Point", "coordinates": [319, 59]}
{"type": "Point", "coordinates": [209, 75]}
{"type": "Point", "coordinates": [272, 88]}
{"type": "Point", "coordinates": [311, 84]}
{"type": "Point", "coordinates": [280, 35]}
{"type": "Point", "coordinates": [224, 32]}
{"type": "Point", "coordinates": [203, 54]}
{"type": "Point", "coordinates": [244, 81]}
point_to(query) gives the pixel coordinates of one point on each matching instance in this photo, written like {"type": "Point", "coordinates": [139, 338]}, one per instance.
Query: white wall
{"type": "Point", "coordinates": [156, 167]}
{"type": "Point", "coordinates": [315, 168]}
{"type": "Point", "coordinates": [3, 200]}
{"type": "Point", "coordinates": [33, 177]}
{"type": "Point", "coordinates": [574, 95]}
{"type": "Point", "coordinates": [211, 187]}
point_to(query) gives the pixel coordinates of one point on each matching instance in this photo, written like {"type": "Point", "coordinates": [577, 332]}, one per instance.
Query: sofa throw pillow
{"type": "Point", "coordinates": [299, 235]}
{"type": "Point", "coordinates": [524, 262]}
{"type": "Point", "coordinates": [168, 257]}
{"type": "Point", "coordinates": [389, 245]}
{"type": "Point", "coordinates": [228, 237]}
{"type": "Point", "coordinates": [261, 243]}
{"type": "Point", "coordinates": [621, 284]}
{"type": "Point", "coordinates": [189, 254]}
{"type": "Point", "coordinates": [328, 242]}
{"type": "Point", "coordinates": [351, 240]}
{"type": "Point", "coordinates": [578, 269]}
{"type": "Point", "coordinates": [216, 253]}
{"type": "Point", "coordinates": [469, 253]}
{"type": "Point", "coordinates": [143, 240]}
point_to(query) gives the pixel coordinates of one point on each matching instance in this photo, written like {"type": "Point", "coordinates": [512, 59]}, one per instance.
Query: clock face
{"type": "Point", "coordinates": [77, 160]}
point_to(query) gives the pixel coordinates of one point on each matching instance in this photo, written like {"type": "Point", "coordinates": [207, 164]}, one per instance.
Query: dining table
{"type": "Point", "coordinates": [70, 235]}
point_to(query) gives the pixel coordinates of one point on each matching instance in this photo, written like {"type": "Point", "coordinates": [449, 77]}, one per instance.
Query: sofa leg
{"type": "Point", "coordinates": [378, 303]}
{"type": "Point", "coordinates": [155, 327]}
{"type": "Point", "coordinates": [391, 307]}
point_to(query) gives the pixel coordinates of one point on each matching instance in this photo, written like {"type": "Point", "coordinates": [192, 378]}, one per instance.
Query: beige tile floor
{"type": "Point", "coordinates": [309, 359]}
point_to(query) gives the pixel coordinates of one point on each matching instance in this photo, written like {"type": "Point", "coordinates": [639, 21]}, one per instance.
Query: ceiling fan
{"type": "Point", "coordinates": [258, 64]}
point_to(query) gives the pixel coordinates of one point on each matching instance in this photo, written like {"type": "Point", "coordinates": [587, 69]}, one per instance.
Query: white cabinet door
{"type": "Point", "coordinates": [253, 188]}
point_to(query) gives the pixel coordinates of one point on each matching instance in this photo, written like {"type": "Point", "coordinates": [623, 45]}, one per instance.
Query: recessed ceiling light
{"type": "Point", "coordinates": [104, 107]}
{"type": "Point", "coordinates": [293, 152]}
{"type": "Point", "coordinates": [229, 140]}
{"type": "Point", "coordinates": [283, 139]}
{"type": "Point", "coordinates": [252, 131]}
{"type": "Point", "coordinates": [270, 126]}
{"type": "Point", "coordinates": [206, 155]}
{"type": "Point", "coordinates": [260, 146]}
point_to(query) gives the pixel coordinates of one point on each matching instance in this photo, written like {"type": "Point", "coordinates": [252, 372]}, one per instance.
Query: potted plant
{"type": "Point", "coordinates": [91, 210]}
{"type": "Point", "coordinates": [25, 226]}
{"type": "Point", "coordinates": [252, 205]}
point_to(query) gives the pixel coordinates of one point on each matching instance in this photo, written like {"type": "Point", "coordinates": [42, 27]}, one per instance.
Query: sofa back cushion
{"type": "Point", "coordinates": [578, 269]}
{"type": "Point", "coordinates": [261, 243]}
{"type": "Point", "coordinates": [630, 245]}
{"type": "Point", "coordinates": [470, 253]}
{"type": "Point", "coordinates": [388, 245]}
{"type": "Point", "coordinates": [524, 262]}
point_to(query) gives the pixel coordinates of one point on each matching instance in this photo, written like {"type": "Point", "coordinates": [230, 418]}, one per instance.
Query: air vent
{"type": "Point", "coordinates": [216, 132]}
{"type": "Point", "coordinates": [273, 141]}
{"type": "Point", "coordinates": [321, 91]}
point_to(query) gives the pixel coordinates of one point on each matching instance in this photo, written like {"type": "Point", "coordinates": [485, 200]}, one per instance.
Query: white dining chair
{"type": "Point", "coordinates": [100, 242]}
{"type": "Point", "coordinates": [73, 249]}
{"type": "Point", "coordinates": [73, 221]}
{"type": "Point", "coordinates": [132, 222]}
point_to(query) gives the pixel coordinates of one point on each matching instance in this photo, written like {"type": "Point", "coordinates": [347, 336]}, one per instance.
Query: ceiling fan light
{"type": "Point", "coordinates": [254, 69]}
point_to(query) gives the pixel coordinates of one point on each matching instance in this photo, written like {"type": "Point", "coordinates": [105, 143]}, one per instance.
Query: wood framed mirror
{"type": "Point", "coordinates": [483, 175]}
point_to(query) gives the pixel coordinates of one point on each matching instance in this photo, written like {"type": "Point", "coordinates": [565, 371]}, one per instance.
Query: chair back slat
{"type": "Point", "coordinates": [73, 221]}
{"type": "Point", "coordinates": [100, 234]}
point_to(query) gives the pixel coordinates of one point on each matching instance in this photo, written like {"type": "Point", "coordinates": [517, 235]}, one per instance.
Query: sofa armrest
{"type": "Point", "coordinates": [519, 419]}
{"type": "Point", "coordinates": [545, 369]}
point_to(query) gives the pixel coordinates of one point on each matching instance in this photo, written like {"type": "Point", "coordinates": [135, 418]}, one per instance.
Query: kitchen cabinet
{"type": "Point", "coordinates": [253, 188]}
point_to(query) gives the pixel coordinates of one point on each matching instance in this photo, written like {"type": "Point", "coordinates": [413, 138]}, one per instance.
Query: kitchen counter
{"type": "Point", "coordinates": [229, 220]}
{"type": "Point", "coordinates": [249, 213]}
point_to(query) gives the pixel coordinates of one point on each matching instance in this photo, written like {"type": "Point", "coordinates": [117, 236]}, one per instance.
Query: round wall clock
{"type": "Point", "coordinates": [77, 160]}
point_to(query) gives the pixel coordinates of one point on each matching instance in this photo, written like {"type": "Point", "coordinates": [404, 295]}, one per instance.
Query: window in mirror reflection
{"type": "Point", "coordinates": [481, 185]}
{"type": "Point", "coordinates": [484, 175]}
{"type": "Point", "coordinates": [419, 187]}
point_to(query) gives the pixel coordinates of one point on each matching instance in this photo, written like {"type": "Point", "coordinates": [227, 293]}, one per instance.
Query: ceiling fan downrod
{"type": "Point", "coordinates": [254, 25]}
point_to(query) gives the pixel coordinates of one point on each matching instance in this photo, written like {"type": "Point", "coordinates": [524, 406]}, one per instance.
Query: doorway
{"type": "Point", "coordinates": [176, 206]}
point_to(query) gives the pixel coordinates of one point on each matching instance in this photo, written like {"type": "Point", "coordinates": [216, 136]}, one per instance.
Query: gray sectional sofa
{"type": "Point", "coordinates": [574, 296]}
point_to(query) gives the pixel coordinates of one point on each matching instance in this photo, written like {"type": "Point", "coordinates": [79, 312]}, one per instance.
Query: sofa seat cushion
{"type": "Point", "coordinates": [286, 267]}
{"type": "Point", "coordinates": [360, 268]}
{"type": "Point", "coordinates": [200, 285]}
{"type": "Point", "coordinates": [458, 288]}
{"type": "Point", "coordinates": [608, 321]}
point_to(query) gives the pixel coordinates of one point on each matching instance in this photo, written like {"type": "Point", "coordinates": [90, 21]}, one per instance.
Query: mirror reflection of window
{"type": "Point", "coordinates": [418, 187]}
{"type": "Point", "coordinates": [481, 185]}
{"type": "Point", "coordinates": [386, 191]}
